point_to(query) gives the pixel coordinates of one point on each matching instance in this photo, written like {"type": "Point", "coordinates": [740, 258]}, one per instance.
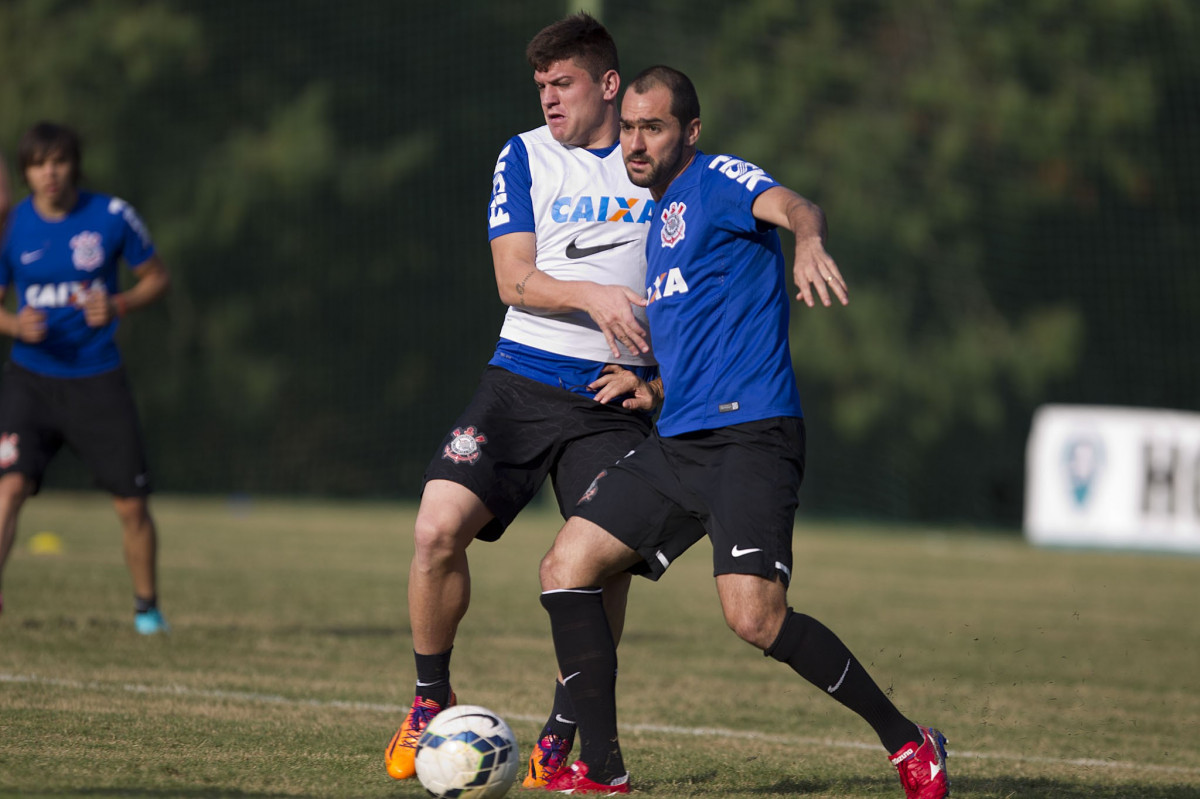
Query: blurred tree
{"type": "Point", "coordinates": [952, 146]}
{"type": "Point", "coordinates": [1012, 190]}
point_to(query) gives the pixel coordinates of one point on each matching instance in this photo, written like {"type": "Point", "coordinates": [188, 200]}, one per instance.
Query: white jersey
{"type": "Point", "coordinates": [590, 223]}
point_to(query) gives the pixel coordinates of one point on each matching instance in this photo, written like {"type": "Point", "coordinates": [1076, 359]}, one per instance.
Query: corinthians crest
{"type": "Point", "coordinates": [464, 446]}
{"type": "Point", "coordinates": [590, 494]}
{"type": "Point", "coordinates": [87, 250]}
{"type": "Point", "coordinates": [9, 449]}
{"type": "Point", "coordinates": [673, 224]}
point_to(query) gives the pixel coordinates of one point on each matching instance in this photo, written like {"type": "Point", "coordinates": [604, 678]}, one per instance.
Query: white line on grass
{"type": "Point", "coordinates": [698, 732]}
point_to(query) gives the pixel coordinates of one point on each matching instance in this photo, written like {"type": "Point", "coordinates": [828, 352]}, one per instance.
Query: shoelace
{"type": "Point", "coordinates": [422, 715]}
{"type": "Point", "coordinates": [554, 752]}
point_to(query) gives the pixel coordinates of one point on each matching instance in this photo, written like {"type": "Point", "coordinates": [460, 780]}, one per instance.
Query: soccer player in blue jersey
{"type": "Point", "coordinates": [567, 231]}
{"type": "Point", "coordinates": [727, 456]}
{"type": "Point", "coordinates": [64, 382]}
{"type": "Point", "coordinates": [5, 195]}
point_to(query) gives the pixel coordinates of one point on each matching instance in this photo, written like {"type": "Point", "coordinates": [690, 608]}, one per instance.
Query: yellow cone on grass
{"type": "Point", "coordinates": [45, 543]}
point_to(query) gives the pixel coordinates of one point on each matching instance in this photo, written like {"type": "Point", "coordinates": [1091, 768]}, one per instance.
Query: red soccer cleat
{"type": "Point", "coordinates": [575, 781]}
{"type": "Point", "coordinates": [922, 766]}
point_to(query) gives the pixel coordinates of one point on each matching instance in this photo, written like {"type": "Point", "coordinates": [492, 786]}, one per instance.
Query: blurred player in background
{"type": "Point", "coordinates": [65, 382]}
{"type": "Point", "coordinates": [5, 194]}
{"type": "Point", "coordinates": [727, 456]}
{"type": "Point", "coordinates": [567, 231]}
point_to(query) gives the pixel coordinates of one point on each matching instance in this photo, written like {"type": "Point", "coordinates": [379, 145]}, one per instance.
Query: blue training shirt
{"type": "Point", "coordinates": [53, 264]}
{"type": "Point", "coordinates": [719, 304]}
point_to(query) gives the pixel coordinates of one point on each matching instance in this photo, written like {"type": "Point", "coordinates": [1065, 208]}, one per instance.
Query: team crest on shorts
{"type": "Point", "coordinates": [590, 494]}
{"type": "Point", "coordinates": [673, 225]}
{"type": "Point", "coordinates": [87, 250]}
{"type": "Point", "coordinates": [9, 449]}
{"type": "Point", "coordinates": [464, 447]}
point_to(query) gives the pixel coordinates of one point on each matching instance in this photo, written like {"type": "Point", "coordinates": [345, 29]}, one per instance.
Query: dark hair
{"type": "Point", "coordinates": [685, 104]}
{"type": "Point", "coordinates": [49, 138]}
{"type": "Point", "coordinates": [580, 37]}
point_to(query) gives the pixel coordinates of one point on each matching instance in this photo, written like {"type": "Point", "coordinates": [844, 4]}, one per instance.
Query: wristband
{"type": "Point", "coordinates": [120, 305]}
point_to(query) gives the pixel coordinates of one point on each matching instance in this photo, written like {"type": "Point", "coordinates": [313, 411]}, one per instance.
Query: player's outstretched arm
{"type": "Point", "coordinates": [522, 285]}
{"type": "Point", "coordinates": [815, 273]}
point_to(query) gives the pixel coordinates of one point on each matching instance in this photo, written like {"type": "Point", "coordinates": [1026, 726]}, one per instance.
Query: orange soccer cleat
{"type": "Point", "coordinates": [547, 761]}
{"type": "Point", "coordinates": [402, 751]}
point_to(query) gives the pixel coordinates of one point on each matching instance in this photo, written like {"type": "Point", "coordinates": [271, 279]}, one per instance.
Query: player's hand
{"type": "Point", "coordinates": [31, 325]}
{"type": "Point", "coordinates": [816, 274]}
{"type": "Point", "coordinates": [611, 308]}
{"type": "Point", "coordinates": [98, 309]}
{"type": "Point", "coordinates": [618, 381]}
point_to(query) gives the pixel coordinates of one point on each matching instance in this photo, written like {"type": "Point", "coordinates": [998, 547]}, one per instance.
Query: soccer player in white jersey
{"type": "Point", "coordinates": [567, 231]}
{"type": "Point", "coordinates": [727, 455]}
{"type": "Point", "coordinates": [65, 382]}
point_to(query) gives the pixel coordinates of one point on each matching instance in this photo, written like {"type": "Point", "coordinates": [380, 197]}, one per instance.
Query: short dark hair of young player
{"type": "Point", "coordinates": [685, 103]}
{"type": "Point", "coordinates": [49, 138]}
{"type": "Point", "coordinates": [580, 37]}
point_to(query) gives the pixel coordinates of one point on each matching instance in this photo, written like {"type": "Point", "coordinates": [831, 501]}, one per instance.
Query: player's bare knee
{"type": "Point", "coordinates": [436, 538]}
{"type": "Point", "coordinates": [549, 572]}
{"type": "Point", "coordinates": [14, 490]}
{"type": "Point", "coordinates": [752, 627]}
{"type": "Point", "coordinates": [132, 511]}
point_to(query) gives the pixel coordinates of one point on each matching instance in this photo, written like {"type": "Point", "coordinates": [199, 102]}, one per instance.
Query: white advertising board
{"type": "Point", "coordinates": [1125, 478]}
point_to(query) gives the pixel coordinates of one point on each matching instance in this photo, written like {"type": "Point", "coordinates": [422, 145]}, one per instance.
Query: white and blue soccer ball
{"type": "Point", "coordinates": [467, 752]}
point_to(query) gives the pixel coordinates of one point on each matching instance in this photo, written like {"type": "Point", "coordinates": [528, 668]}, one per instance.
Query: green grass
{"type": "Point", "coordinates": [1054, 674]}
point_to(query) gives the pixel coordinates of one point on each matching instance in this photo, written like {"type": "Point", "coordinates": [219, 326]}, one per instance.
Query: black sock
{"type": "Point", "coordinates": [819, 656]}
{"type": "Point", "coordinates": [143, 605]}
{"type": "Point", "coordinates": [562, 715]}
{"type": "Point", "coordinates": [587, 659]}
{"type": "Point", "coordinates": [433, 676]}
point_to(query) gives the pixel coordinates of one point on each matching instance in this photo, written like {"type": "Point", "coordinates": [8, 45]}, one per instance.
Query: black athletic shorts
{"type": "Point", "coordinates": [516, 431]}
{"type": "Point", "coordinates": [738, 485]}
{"type": "Point", "coordinates": [95, 416]}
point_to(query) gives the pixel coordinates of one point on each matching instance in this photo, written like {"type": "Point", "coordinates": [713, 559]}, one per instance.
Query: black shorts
{"type": "Point", "coordinates": [95, 416]}
{"type": "Point", "coordinates": [738, 485]}
{"type": "Point", "coordinates": [516, 431]}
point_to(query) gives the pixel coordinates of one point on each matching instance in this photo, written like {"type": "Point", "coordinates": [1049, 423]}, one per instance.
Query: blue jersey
{"type": "Point", "coordinates": [719, 304]}
{"type": "Point", "coordinates": [53, 264]}
{"type": "Point", "coordinates": [589, 223]}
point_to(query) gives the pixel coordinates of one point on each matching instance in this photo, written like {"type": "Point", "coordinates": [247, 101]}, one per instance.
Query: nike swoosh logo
{"type": "Point", "coordinates": [573, 676]}
{"type": "Point", "coordinates": [558, 717]}
{"type": "Point", "coordinates": [30, 257]}
{"type": "Point", "coordinates": [841, 679]}
{"type": "Point", "coordinates": [737, 553]}
{"type": "Point", "coordinates": [574, 252]}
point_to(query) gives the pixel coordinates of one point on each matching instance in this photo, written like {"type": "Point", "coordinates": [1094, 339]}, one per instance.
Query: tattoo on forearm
{"type": "Point", "coordinates": [521, 286]}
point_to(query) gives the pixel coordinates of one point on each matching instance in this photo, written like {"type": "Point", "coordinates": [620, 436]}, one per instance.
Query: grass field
{"type": "Point", "coordinates": [1054, 674]}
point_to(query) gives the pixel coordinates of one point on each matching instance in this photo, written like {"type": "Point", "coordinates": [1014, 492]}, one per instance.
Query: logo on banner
{"type": "Point", "coordinates": [1083, 459]}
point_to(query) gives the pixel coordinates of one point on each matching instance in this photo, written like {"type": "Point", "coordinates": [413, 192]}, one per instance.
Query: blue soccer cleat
{"type": "Point", "coordinates": [151, 622]}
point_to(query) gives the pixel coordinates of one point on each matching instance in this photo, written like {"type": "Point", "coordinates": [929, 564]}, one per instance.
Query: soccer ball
{"type": "Point", "coordinates": [467, 752]}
